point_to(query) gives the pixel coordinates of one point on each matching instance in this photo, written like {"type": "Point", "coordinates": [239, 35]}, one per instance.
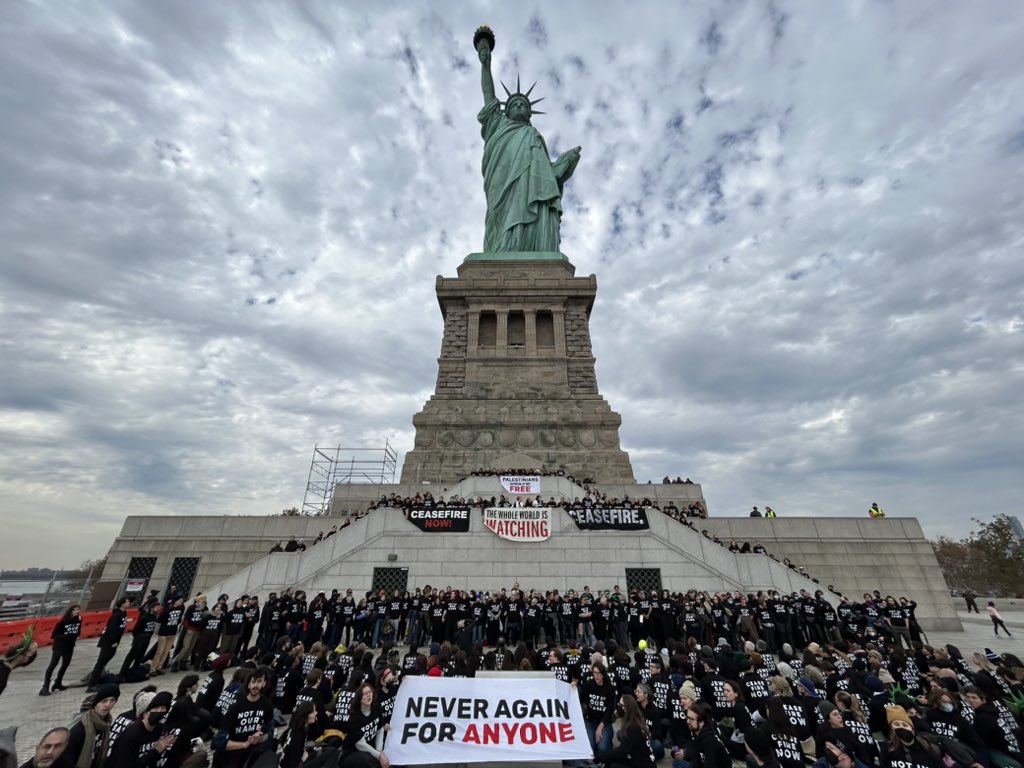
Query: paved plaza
{"type": "Point", "coordinates": [22, 705]}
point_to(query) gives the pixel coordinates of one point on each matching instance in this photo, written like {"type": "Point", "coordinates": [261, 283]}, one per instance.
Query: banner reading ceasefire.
{"type": "Point", "coordinates": [440, 520]}
{"type": "Point", "coordinates": [519, 523]}
{"type": "Point", "coordinates": [480, 720]}
{"type": "Point", "coordinates": [521, 483]}
{"type": "Point", "coordinates": [615, 519]}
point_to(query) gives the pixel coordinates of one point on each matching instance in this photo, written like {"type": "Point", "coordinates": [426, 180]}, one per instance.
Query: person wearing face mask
{"type": "Point", "coordinates": [946, 720]}
{"type": "Point", "coordinates": [904, 749]}
{"type": "Point", "coordinates": [190, 720]}
{"type": "Point", "coordinates": [144, 742]}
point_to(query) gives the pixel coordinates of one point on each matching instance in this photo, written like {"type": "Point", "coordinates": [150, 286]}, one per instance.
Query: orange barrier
{"type": "Point", "coordinates": [93, 623]}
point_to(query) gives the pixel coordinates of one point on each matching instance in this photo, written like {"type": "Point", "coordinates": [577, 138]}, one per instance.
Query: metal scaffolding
{"type": "Point", "coordinates": [369, 466]}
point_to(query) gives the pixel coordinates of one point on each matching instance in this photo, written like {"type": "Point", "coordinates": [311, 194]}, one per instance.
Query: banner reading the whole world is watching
{"type": "Point", "coordinates": [519, 523]}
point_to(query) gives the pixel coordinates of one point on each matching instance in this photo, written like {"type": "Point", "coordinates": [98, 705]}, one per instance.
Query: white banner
{"type": "Point", "coordinates": [519, 523]}
{"type": "Point", "coordinates": [480, 720]}
{"type": "Point", "coordinates": [521, 483]}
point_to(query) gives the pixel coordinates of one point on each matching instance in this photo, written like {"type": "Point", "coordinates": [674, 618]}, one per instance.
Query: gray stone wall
{"type": "Point", "coordinates": [516, 395]}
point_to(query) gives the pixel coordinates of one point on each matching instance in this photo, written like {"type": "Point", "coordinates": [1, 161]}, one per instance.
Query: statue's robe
{"type": "Point", "coordinates": [524, 205]}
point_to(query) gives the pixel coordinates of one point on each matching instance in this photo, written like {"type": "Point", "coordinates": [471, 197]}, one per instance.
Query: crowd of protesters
{"type": "Point", "coordinates": [701, 678]}
{"type": "Point", "coordinates": [589, 500]}
{"type": "Point", "coordinates": [426, 500]}
{"type": "Point", "coordinates": [534, 472]}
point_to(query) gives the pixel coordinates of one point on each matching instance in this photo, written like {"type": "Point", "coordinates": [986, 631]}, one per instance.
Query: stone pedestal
{"type": "Point", "coordinates": [516, 376]}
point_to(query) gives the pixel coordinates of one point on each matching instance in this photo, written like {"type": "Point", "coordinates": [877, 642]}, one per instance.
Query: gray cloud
{"type": "Point", "coordinates": [222, 225]}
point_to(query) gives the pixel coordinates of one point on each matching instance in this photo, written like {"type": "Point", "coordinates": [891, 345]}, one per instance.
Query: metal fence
{"type": "Point", "coordinates": [26, 598]}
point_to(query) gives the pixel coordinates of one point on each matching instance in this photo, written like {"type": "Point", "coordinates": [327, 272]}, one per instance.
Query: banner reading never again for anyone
{"type": "Point", "coordinates": [519, 523]}
{"type": "Point", "coordinates": [615, 519]}
{"type": "Point", "coordinates": [443, 520]}
{"type": "Point", "coordinates": [479, 720]}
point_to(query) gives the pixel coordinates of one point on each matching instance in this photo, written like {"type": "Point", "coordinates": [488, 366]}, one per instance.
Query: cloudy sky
{"type": "Point", "coordinates": [221, 224]}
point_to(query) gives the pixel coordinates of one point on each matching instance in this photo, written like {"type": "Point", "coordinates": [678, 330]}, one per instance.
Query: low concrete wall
{"type": "Point", "coordinates": [855, 555]}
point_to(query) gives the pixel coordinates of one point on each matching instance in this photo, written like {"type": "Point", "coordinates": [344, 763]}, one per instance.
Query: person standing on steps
{"type": "Point", "coordinates": [65, 635]}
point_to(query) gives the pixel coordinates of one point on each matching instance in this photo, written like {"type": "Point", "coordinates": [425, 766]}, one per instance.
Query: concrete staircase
{"type": "Point", "coordinates": [479, 559]}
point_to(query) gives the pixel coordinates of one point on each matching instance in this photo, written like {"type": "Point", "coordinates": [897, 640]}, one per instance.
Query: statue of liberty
{"type": "Point", "coordinates": [523, 187]}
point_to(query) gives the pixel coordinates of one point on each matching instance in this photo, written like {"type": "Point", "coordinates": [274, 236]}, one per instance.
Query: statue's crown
{"type": "Point", "coordinates": [520, 95]}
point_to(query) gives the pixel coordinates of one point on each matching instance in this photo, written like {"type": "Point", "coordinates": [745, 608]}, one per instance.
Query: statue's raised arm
{"type": "Point", "coordinates": [483, 50]}
{"type": "Point", "coordinates": [522, 185]}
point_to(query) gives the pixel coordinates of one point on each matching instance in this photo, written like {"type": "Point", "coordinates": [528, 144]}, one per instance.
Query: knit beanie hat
{"type": "Point", "coordinates": [874, 684]}
{"type": "Point", "coordinates": [898, 713]}
{"type": "Point", "coordinates": [108, 691]}
{"type": "Point", "coordinates": [689, 691]}
{"type": "Point", "coordinates": [162, 699]}
{"type": "Point", "coordinates": [142, 701]}
{"type": "Point", "coordinates": [808, 685]}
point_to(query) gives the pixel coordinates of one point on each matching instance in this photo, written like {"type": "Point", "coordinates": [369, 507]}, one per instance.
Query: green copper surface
{"type": "Point", "coordinates": [522, 185]}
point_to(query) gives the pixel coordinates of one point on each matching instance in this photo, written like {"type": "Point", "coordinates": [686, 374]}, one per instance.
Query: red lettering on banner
{"type": "Point", "coordinates": [519, 489]}
{"type": "Point", "coordinates": [518, 733]}
{"type": "Point", "coordinates": [437, 523]}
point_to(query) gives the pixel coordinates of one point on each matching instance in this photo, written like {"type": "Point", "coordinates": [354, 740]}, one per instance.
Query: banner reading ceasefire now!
{"type": "Point", "coordinates": [439, 520]}
{"type": "Point", "coordinates": [480, 720]}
